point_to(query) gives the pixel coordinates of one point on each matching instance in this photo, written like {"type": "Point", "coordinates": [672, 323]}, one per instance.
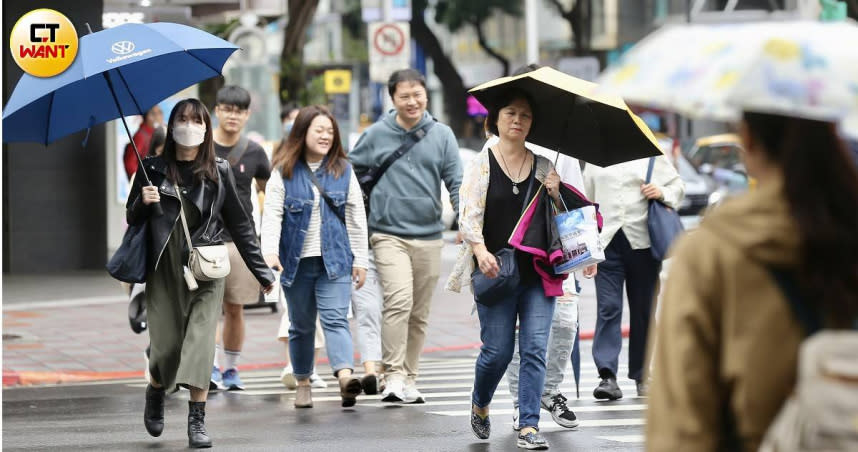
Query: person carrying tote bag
{"type": "Point", "coordinates": [624, 193]}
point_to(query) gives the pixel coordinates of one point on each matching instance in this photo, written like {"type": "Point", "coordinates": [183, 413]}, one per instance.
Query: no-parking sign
{"type": "Point", "coordinates": [389, 49]}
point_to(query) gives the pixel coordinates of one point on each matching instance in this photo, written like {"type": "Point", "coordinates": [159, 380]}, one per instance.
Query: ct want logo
{"type": "Point", "coordinates": [44, 43]}
{"type": "Point", "coordinates": [122, 47]}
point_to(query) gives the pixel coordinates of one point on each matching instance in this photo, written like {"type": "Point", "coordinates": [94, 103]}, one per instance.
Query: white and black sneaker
{"type": "Point", "coordinates": [515, 425]}
{"type": "Point", "coordinates": [561, 414]}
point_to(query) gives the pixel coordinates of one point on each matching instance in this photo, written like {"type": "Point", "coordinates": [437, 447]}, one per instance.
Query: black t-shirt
{"type": "Point", "coordinates": [253, 164]}
{"type": "Point", "coordinates": [186, 173]}
{"type": "Point", "coordinates": [503, 210]}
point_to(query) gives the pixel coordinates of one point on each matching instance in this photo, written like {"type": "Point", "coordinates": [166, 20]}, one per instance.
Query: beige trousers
{"type": "Point", "coordinates": [409, 270]}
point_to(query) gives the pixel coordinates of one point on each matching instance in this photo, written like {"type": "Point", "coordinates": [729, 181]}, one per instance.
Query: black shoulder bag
{"type": "Point", "coordinates": [489, 291]}
{"type": "Point", "coordinates": [368, 180]}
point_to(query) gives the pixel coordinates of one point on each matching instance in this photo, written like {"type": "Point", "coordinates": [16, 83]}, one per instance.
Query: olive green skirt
{"type": "Point", "coordinates": [182, 324]}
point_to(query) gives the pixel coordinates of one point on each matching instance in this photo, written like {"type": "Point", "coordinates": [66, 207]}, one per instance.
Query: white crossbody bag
{"type": "Point", "coordinates": [207, 263]}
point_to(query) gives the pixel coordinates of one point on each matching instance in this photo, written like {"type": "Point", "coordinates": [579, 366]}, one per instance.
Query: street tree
{"type": "Point", "coordinates": [292, 73]}
{"type": "Point", "coordinates": [456, 14]}
{"type": "Point", "coordinates": [453, 87]}
{"type": "Point", "coordinates": [578, 14]}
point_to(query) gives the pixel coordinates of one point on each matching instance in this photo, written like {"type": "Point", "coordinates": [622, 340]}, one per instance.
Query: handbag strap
{"type": "Point", "coordinates": [324, 195]}
{"type": "Point", "coordinates": [529, 186]}
{"type": "Point", "coordinates": [371, 178]}
{"type": "Point", "coordinates": [649, 169]}
{"type": "Point", "coordinates": [184, 220]}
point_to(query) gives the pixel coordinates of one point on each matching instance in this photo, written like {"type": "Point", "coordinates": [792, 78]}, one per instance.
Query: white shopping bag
{"type": "Point", "coordinates": [274, 295]}
{"type": "Point", "coordinates": [579, 235]}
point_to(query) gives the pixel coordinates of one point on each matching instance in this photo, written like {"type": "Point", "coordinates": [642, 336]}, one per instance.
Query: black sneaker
{"type": "Point", "coordinates": [532, 441]}
{"type": "Point", "coordinates": [561, 414]}
{"type": "Point", "coordinates": [608, 389]}
{"type": "Point", "coordinates": [481, 427]}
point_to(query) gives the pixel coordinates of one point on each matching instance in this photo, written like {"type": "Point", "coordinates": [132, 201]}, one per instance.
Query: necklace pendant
{"type": "Point", "coordinates": [515, 189]}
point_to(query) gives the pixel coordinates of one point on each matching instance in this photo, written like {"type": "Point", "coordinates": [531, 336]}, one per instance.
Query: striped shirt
{"type": "Point", "coordinates": [272, 220]}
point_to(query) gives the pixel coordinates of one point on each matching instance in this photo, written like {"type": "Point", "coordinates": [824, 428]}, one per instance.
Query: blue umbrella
{"type": "Point", "coordinates": [118, 72]}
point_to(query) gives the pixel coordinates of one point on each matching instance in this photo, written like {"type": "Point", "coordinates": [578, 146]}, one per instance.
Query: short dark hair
{"type": "Point", "coordinates": [503, 100]}
{"type": "Point", "coordinates": [404, 75]}
{"type": "Point", "coordinates": [288, 108]}
{"type": "Point", "coordinates": [233, 95]}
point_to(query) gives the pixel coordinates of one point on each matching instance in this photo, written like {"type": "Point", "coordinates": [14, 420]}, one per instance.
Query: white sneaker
{"type": "Point", "coordinates": [288, 378]}
{"type": "Point", "coordinates": [515, 425]}
{"type": "Point", "coordinates": [394, 392]}
{"type": "Point", "coordinates": [317, 382]}
{"type": "Point", "coordinates": [412, 395]}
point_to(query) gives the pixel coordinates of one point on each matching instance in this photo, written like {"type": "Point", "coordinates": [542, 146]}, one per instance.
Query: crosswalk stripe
{"type": "Point", "coordinates": [511, 411]}
{"type": "Point", "coordinates": [624, 438]}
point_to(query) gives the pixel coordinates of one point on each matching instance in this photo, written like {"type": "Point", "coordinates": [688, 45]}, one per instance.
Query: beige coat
{"type": "Point", "coordinates": [725, 338]}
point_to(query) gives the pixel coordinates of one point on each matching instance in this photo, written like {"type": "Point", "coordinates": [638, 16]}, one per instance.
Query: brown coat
{"type": "Point", "coordinates": [725, 339]}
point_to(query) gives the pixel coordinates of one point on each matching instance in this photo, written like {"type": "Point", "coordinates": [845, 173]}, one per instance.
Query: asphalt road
{"type": "Point", "coordinates": [108, 416]}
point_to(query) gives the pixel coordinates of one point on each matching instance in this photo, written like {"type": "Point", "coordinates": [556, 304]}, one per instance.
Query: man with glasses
{"type": "Point", "coordinates": [248, 161]}
{"type": "Point", "coordinates": [405, 222]}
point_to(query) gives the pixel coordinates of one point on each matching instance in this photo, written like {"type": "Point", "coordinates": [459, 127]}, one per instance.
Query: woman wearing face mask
{"type": "Point", "coordinates": [317, 236]}
{"type": "Point", "coordinates": [182, 321]}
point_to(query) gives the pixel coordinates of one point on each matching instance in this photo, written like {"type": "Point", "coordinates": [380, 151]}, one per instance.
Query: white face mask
{"type": "Point", "coordinates": [189, 134]}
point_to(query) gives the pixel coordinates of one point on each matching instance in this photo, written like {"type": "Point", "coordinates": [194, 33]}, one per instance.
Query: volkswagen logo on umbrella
{"type": "Point", "coordinates": [122, 47]}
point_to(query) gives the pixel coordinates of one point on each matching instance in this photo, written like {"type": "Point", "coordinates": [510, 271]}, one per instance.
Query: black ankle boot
{"type": "Point", "coordinates": [197, 436]}
{"type": "Point", "coordinates": [153, 412]}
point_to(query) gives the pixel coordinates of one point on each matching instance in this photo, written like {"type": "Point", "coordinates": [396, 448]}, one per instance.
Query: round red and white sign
{"type": "Point", "coordinates": [389, 40]}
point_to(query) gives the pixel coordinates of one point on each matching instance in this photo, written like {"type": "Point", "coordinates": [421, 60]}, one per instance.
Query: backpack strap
{"type": "Point", "coordinates": [804, 313]}
{"type": "Point", "coordinates": [237, 151]}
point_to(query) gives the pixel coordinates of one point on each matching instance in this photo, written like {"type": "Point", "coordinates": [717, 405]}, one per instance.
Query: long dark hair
{"type": "Point", "coordinates": [204, 164]}
{"type": "Point", "coordinates": [822, 192]}
{"type": "Point", "coordinates": [294, 147]}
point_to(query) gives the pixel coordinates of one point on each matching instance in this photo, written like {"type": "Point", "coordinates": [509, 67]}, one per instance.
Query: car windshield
{"type": "Point", "coordinates": [686, 170]}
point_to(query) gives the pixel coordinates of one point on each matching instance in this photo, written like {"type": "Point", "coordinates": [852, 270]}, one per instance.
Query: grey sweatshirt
{"type": "Point", "coordinates": [406, 201]}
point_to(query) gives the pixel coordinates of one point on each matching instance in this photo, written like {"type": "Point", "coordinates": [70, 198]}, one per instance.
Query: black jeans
{"type": "Point", "coordinates": [639, 270]}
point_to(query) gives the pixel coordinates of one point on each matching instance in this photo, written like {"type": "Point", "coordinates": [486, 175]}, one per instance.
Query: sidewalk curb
{"type": "Point", "coordinates": [30, 378]}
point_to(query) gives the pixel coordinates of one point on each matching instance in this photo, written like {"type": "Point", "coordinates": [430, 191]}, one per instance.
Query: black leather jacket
{"type": "Point", "coordinates": [218, 207]}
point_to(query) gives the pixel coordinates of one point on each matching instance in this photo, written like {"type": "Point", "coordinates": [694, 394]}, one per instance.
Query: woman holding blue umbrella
{"type": "Point", "coordinates": [196, 189]}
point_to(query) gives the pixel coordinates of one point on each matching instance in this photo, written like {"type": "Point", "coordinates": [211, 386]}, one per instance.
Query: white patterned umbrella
{"type": "Point", "coordinates": [802, 68]}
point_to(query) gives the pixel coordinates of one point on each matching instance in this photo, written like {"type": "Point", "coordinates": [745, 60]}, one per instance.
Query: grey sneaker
{"type": "Point", "coordinates": [561, 414]}
{"type": "Point", "coordinates": [532, 441]}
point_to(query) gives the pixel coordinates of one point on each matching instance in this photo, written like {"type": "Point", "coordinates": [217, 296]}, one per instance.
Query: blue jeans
{"type": "Point", "coordinates": [313, 292]}
{"type": "Point", "coordinates": [534, 312]}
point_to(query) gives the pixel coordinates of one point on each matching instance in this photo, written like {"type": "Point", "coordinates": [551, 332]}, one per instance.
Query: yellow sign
{"type": "Point", "coordinates": [43, 42]}
{"type": "Point", "coordinates": [338, 81]}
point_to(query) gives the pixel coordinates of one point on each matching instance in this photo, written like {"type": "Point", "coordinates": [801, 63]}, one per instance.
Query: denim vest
{"type": "Point", "coordinates": [298, 206]}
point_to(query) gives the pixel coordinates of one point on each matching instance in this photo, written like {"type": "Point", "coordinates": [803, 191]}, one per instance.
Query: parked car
{"type": "Point", "coordinates": [701, 191]}
{"type": "Point", "coordinates": [448, 216]}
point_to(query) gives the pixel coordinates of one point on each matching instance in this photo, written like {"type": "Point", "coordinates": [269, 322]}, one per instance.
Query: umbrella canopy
{"type": "Point", "coordinates": [714, 71]}
{"type": "Point", "coordinates": [572, 117]}
{"type": "Point", "coordinates": [145, 63]}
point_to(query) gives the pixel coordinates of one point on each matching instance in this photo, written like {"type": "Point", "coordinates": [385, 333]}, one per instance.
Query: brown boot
{"type": "Point", "coordinates": [350, 388]}
{"type": "Point", "coordinates": [304, 397]}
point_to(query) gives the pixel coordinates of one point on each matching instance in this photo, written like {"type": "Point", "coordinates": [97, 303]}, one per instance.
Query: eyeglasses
{"type": "Point", "coordinates": [231, 110]}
